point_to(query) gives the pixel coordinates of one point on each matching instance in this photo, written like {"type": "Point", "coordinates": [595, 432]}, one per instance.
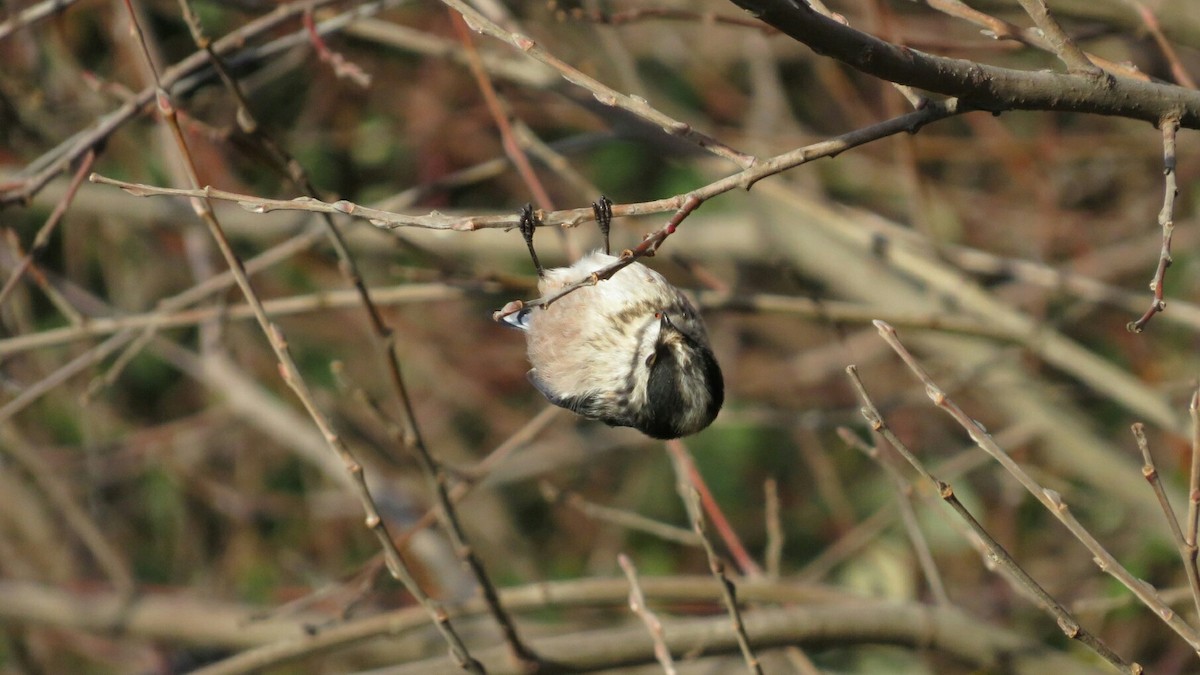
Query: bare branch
{"type": "Point", "coordinates": [56, 160]}
{"type": "Point", "coordinates": [686, 469]}
{"type": "Point", "coordinates": [1166, 220]}
{"type": "Point", "coordinates": [996, 553]}
{"type": "Point", "coordinates": [603, 93]}
{"type": "Point", "coordinates": [618, 517]}
{"type": "Point", "coordinates": [1185, 544]}
{"type": "Point", "coordinates": [1050, 499]}
{"type": "Point", "coordinates": [43, 235]}
{"type": "Point", "coordinates": [1150, 21]}
{"type": "Point", "coordinates": [637, 603]}
{"type": "Point", "coordinates": [774, 553]}
{"type": "Point", "coordinates": [1063, 45]}
{"type": "Point", "coordinates": [291, 373]}
{"type": "Point", "coordinates": [976, 85]}
{"type": "Point", "coordinates": [691, 500]}
{"type": "Point", "coordinates": [907, 516]}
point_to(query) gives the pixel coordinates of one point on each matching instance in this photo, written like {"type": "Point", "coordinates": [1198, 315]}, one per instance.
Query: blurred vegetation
{"type": "Point", "coordinates": [200, 469]}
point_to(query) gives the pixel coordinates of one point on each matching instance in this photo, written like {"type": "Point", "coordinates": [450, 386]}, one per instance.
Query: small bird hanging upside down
{"type": "Point", "coordinates": [629, 351]}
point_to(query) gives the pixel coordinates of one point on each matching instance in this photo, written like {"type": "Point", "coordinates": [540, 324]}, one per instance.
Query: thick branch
{"type": "Point", "coordinates": [978, 85]}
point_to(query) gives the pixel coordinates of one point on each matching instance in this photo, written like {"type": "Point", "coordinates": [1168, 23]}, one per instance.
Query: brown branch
{"type": "Point", "coordinates": [821, 617]}
{"type": "Point", "coordinates": [103, 350]}
{"type": "Point", "coordinates": [979, 86]}
{"type": "Point", "coordinates": [68, 370]}
{"type": "Point", "coordinates": [999, 29]}
{"type": "Point", "coordinates": [435, 476]}
{"type": "Point", "coordinates": [648, 247]}
{"type": "Point", "coordinates": [45, 283]}
{"type": "Point", "coordinates": [681, 459]}
{"type": "Point", "coordinates": [1150, 21]}
{"type": "Point", "coordinates": [59, 493]}
{"type": "Point", "coordinates": [1185, 544]}
{"type": "Point", "coordinates": [1193, 514]}
{"type": "Point", "coordinates": [774, 526]}
{"type": "Point", "coordinates": [512, 149]}
{"type": "Point", "coordinates": [474, 475]}
{"type": "Point", "coordinates": [343, 68]}
{"type": "Point", "coordinates": [1166, 220]}
{"type": "Point", "coordinates": [745, 180]}
{"type": "Point", "coordinates": [409, 436]}
{"type": "Point", "coordinates": [1070, 54]}
{"type": "Point", "coordinates": [383, 334]}
{"type": "Point", "coordinates": [691, 500]}
{"type": "Point", "coordinates": [637, 604]}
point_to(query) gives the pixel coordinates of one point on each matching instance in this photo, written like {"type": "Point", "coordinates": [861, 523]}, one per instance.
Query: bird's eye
{"type": "Point", "coordinates": [651, 359]}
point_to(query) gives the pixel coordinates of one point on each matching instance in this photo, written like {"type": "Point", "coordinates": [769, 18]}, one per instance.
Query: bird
{"type": "Point", "coordinates": [628, 351]}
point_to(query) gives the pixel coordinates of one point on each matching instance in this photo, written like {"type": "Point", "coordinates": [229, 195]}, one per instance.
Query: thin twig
{"type": "Point", "coordinates": [288, 164]}
{"type": "Point", "coordinates": [68, 370]}
{"type": "Point", "coordinates": [167, 315]}
{"type": "Point", "coordinates": [1187, 551]}
{"type": "Point", "coordinates": [512, 149]}
{"type": "Point", "coordinates": [637, 603]}
{"type": "Point", "coordinates": [435, 476]}
{"type": "Point", "coordinates": [648, 247]}
{"type": "Point", "coordinates": [774, 550]}
{"type": "Point", "coordinates": [869, 528]}
{"type": "Point", "coordinates": [410, 436]}
{"type": "Point", "coordinates": [996, 552]}
{"type": "Point", "coordinates": [691, 500]}
{"type": "Point", "coordinates": [342, 67]}
{"type": "Point", "coordinates": [603, 93]}
{"type": "Point", "coordinates": [47, 229]}
{"type": "Point", "coordinates": [684, 204]}
{"type": "Point", "coordinates": [32, 14]}
{"type": "Point", "coordinates": [162, 318]}
{"type": "Point", "coordinates": [681, 459]}
{"type": "Point", "coordinates": [122, 338]}
{"type": "Point", "coordinates": [478, 474]}
{"type": "Point", "coordinates": [639, 14]}
{"type": "Point", "coordinates": [829, 487]}
{"type": "Point", "coordinates": [44, 282]}
{"type": "Point", "coordinates": [385, 337]}
{"type": "Point", "coordinates": [903, 493]}
{"type": "Point", "coordinates": [999, 29]}
{"type": "Point", "coordinates": [818, 616]}
{"type": "Point", "coordinates": [1066, 49]}
{"type": "Point", "coordinates": [1193, 515]}
{"type": "Point", "coordinates": [1166, 220]}
{"type": "Point", "coordinates": [745, 179]}
{"type": "Point", "coordinates": [1181, 75]}
{"type": "Point", "coordinates": [1050, 499]}
{"type": "Point", "coordinates": [625, 519]}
